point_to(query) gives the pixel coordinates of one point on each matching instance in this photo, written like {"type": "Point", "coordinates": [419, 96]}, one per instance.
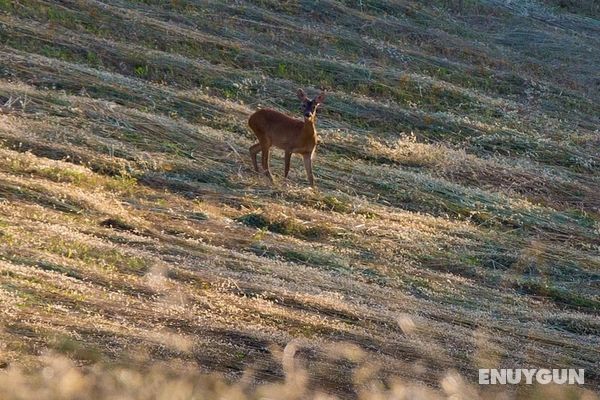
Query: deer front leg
{"type": "Point", "coordinates": [254, 149]}
{"type": "Point", "coordinates": [265, 162]}
{"type": "Point", "coordinates": [308, 167]}
{"type": "Point", "coordinates": [288, 157]}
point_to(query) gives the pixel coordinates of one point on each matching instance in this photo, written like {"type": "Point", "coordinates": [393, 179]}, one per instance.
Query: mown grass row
{"type": "Point", "coordinates": [227, 86]}
{"type": "Point", "coordinates": [479, 262]}
{"type": "Point", "coordinates": [165, 216]}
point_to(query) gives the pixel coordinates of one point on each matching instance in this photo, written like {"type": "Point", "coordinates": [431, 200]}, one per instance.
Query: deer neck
{"type": "Point", "coordinates": [309, 131]}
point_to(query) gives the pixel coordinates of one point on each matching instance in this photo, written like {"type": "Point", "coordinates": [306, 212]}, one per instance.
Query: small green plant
{"type": "Point", "coordinates": [58, 53]}
{"type": "Point", "coordinates": [122, 183]}
{"type": "Point", "coordinates": [560, 296]}
{"type": "Point", "coordinates": [57, 15]}
{"type": "Point", "coordinates": [255, 220]}
{"type": "Point", "coordinates": [58, 174]}
{"type": "Point", "coordinates": [92, 58]}
{"type": "Point", "coordinates": [333, 203]}
{"type": "Point", "coordinates": [282, 69]}
{"type": "Point", "coordinates": [198, 216]}
{"type": "Point", "coordinates": [286, 226]}
{"type": "Point", "coordinates": [141, 71]}
{"type": "Point", "coordinates": [76, 349]}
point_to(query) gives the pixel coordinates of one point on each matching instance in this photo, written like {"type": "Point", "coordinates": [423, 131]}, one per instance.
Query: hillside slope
{"type": "Point", "coordinates": [455, 225]}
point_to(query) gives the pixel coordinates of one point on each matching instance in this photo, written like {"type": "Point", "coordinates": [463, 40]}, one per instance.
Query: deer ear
{"type": "Point", "coordinates": [320, 98]}
{"type": "Point", "coordinates": [301, 95]}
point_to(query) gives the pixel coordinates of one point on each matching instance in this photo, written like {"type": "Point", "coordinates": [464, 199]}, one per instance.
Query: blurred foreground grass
{"type": "Point", "coordinates": [456, 224]}
{"type": "Point", "coordinates": [60, 379]}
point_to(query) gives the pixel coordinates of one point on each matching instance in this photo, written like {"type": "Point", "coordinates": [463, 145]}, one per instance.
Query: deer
{"type": "Point", "coordinates": [273, 128]}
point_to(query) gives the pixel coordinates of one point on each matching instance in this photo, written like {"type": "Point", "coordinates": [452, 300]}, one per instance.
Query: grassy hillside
{"type": "Point", "coordinates": [456, 223]}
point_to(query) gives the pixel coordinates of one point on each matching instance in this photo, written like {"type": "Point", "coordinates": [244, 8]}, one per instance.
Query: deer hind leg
{"type": "Point", "coordinates": [265, 160]}
{"type": "Point", "coordinates": [288, 157]}
{"type": "Point", "coordinates": [254, 149]}
{"type": "Point", "coordinates": [308, 167]}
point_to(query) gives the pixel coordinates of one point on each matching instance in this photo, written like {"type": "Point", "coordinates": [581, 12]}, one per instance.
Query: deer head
{"type": "Point", "coordinates": [309, 107]}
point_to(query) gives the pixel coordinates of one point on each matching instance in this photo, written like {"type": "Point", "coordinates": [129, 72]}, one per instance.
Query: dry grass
{"type": "Point", "coordinates": [61, 379]}
{"type": "Point", "coordinates": [455, 225]}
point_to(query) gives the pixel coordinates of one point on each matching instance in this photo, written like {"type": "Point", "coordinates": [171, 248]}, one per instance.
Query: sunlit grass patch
{"type": "Point", "coordinates": [456, 198]}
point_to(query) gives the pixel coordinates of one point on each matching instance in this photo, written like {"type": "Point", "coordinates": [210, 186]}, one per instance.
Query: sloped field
{"type": "Point", "coordinates": [455, 225]}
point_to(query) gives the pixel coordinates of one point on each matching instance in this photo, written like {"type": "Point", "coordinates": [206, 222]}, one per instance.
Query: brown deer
{"type": "Point", "coordinates": [273, 128]}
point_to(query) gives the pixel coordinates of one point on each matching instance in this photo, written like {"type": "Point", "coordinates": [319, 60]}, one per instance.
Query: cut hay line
{"type": "Point", "coordinates": [454, 226]}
